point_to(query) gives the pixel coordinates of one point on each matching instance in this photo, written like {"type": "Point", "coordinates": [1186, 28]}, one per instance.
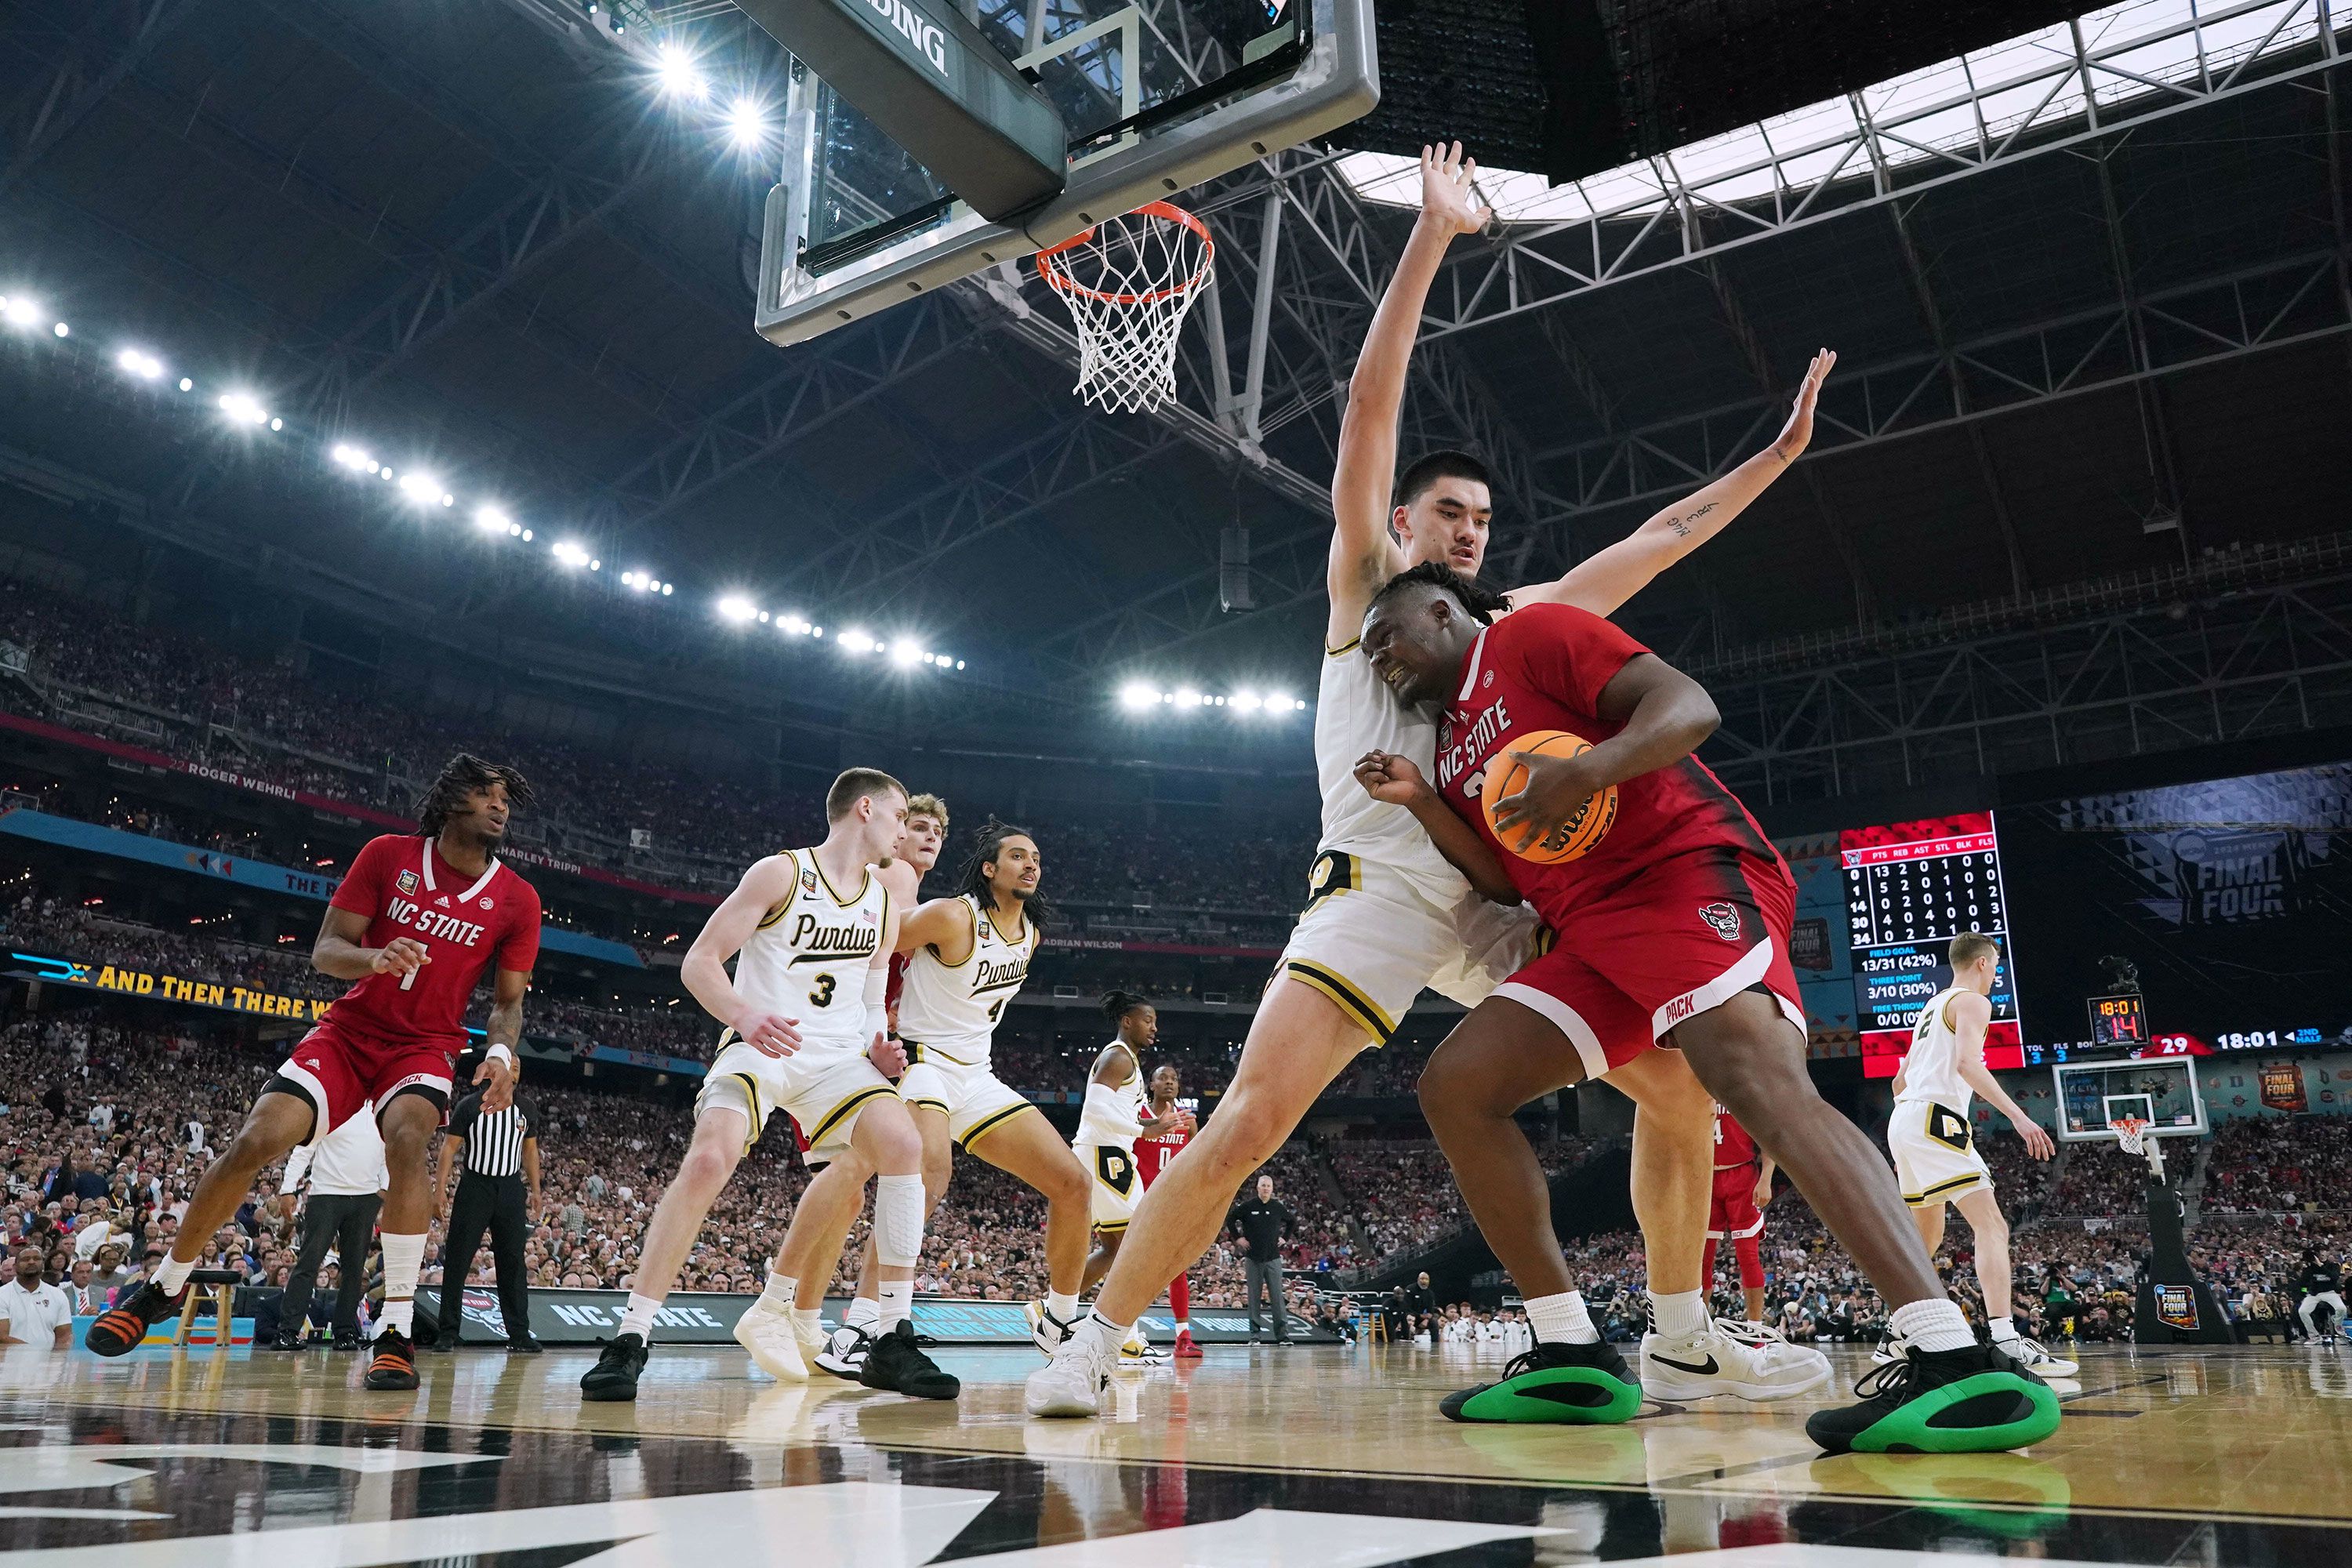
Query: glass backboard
{"type": "Point", "coordinates": [2161, 1091]}
{"type": "Point", "coordinates": [1156, 96]}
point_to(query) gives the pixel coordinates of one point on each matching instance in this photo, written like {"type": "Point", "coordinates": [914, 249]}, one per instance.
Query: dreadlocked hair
{"type": "Point", "coordinates": [461, 776]}
{"type": "Point", "coordinates": [1119, 1004]}
{"type": "Point", "coordinates": [973, 878]}
{"type": "Point", "coordinates": [1482, 604]}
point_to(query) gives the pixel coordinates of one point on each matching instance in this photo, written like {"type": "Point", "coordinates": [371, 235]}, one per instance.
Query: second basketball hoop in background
{"type": "Point", "coordinates": [1129, 283]}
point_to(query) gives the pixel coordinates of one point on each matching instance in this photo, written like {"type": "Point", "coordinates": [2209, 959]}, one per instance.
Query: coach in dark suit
{"type": "Point", "coordinates": [494, 1155]}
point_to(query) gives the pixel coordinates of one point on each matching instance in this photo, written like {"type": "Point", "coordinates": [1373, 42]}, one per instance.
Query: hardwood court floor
{"type": "Point", "coordinates": [1296, 1456]}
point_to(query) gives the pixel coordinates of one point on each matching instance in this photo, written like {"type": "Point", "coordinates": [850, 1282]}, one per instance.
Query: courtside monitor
{"type": "Point", "coordinates": [1156, 97]}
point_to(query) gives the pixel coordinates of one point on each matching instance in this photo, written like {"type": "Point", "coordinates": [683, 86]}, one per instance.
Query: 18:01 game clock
{"type": "Point", "coordinates": [2120, 1020]}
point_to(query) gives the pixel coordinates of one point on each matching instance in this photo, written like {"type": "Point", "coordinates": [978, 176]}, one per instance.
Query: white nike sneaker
{"type": "Point", "coordinates": [1702, 1365]}
{"type": "Point", "coordinates": [766, 1330]}
{"type": "Point", "coordinates": [2029, 1354]}
{"type": "Point", "coordinates": [1140, 1352]}
{"type": "Point", "coordinates": [845, 1351]}
{"type": "Point", "coordinates": [1046, 1330]}
{"type": "Point", "coordinates": [1072, 1383]}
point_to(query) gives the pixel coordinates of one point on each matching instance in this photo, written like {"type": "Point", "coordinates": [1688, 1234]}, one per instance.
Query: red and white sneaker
{"type": "Point", "coordinates": [1186, 1350]}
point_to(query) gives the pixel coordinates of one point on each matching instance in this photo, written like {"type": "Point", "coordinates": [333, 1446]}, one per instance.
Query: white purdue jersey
{"type": "Point", "coordinates": [1931, 1072]}
{"type": "Point", "coordinates": [951, 1011]}
{"type": "Point", "coordinates": [1354, 713]}
{"type": "Point", "coordinates": [808, 958]}
{"type": "Point", "coordinates": [1097, 1132]}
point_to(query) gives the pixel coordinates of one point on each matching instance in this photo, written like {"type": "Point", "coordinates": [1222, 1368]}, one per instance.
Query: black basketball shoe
{"type": "Point", "coordinates": [613, 1378]}
{"type": "Point", "coordinates": [897, 1363]}
{"type": "Point", "coordinates": [392, 1367]}
{"type": "Point", "coordinates": [121, 1329]}
{"type": "Point", "coordinates": [1973, 1400]}
{"type": "Point", "coordinates": [1556, 1383]}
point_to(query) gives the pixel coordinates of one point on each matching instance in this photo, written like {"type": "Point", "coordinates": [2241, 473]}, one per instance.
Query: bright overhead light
{"type": "Point", "coordinates": [1188, 697]}
{"type": "Point", "coordinates": [280, 425]}
{"type": "Point", "coordinates": [491, 519]}
{"type": "Point", "coordinates": [355, 458]}
{"type": "Point", "coordinates": [19, 311]}
{"type": "Point", "coordinates": [904, 654]}
{"type": "Point", "coordinates": [570, 552]}
{"type": "Point", "coordinates": [62, 329]}
{"type": "Point", "coordinates": [187, 385]}
{"type": "Point", "coordinates": [243, 407]}
{"type": "Point", "coordinates": [1248, 701]}
{"type": "Point", "coordinates": [1280, 702]}
{"type": "Point", "coordinates": [857, 641]}
{"type": "Point", "coordinates": [678, 76]}
{"type": "Point", "coordinates": [737, 608]}
{"type": "Point", "coordinates": [145, 366]}
{"type": "Point", "coordinates": [421, 488]}
{"type": "Point", "coordinates": [747, 123]}
{"type": "Point", "coordinates": [1135, 695]}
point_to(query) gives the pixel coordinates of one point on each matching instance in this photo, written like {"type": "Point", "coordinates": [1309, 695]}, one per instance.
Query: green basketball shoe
{"type": "Point", "coordinates": [1580, 1384]}
{"type": "Point", "coordinates": [1975, 1400]}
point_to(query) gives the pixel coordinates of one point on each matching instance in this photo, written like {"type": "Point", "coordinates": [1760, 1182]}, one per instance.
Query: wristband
{"type": "Point", "coordinates": [497, 1052]}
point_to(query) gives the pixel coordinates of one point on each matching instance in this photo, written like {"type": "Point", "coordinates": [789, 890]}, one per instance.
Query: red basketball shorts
{"type": "Point", "coordinates": [1732, 1214]}
{"type": "Point", "coordinates": [343, 1072]}
{"type": "Point", "coordinates": [1677, 939]}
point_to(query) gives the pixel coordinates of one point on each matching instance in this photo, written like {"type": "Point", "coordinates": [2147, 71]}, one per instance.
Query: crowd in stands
{"type": "Point", "coordinates": [2265, 1166]}
{"type": "Point", "coordinates": [197, 698]}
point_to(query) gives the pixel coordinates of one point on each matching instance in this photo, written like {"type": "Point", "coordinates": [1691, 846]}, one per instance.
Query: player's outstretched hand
{"type": "Point", "coordinates": [2037, 1139]}
{"type": "Point", "coordinates": [1798, 433]}
{"type": "Point", "coordinates": [889, 1057]}
{"type": "Point", "coordinates": [1386, 777]}
{"type": "Point", "coordinates": [768, 1033]}
{"type": "Point", "coordinates": [401, 955]}
{"type": "Point", "coordinates": [1448, 194]}
{"type": "Point", "coordinates": [1763, 1194]}
{"type": "Point", "coordinates": [498, 1075]}
{"type": "Point", "coordinates": [1556, 790]}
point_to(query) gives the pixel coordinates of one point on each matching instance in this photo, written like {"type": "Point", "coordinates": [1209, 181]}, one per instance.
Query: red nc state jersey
{"type": "Point", "coordinates": [1543, 668]}
{"type": "Point", "coordinates": [1152, 1154]}
{"type": "Point", "coordinates": [1732, 1144]}
{"type": "Point", "coordinates": [404, 887]}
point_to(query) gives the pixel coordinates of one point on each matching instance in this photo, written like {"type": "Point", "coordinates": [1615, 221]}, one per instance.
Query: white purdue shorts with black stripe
{"type": "Point", "coordinates": [1372, 941]}
{"type": "Point", "coordinates": [972, 1097]}
{"type": "Point", "coordinates": [1114, 1186]}
{"type": "Point", "coordinates": [824, 1088]}
{"type": "Point", "coordinates": [1934, 1151]}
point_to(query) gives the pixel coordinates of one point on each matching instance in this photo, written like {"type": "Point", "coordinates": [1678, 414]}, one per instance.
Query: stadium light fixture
{"type": "Point", "coordinates": [490, 520]}
{"type": "Point", "coordinates": [856, 640]}
{"type": "Point", "coordinates": [739, 609]}
{"type": "Point", "coordinates": [187, 385]}
{"type": "Point", "coordinates": [18, 310]}
{"type": "Point", "coordinates": [1188, 697]}
{"type": "Point", "coordinates": [1135, 697]}
{"type": "Point", "coordinates": [570, 552]}
{"type": "Point", "coordinates": [747, 124]}
{"type": "Point", "coordinates": [244, 408]}
{"type": "Point", "coordinates": [421, 488]}
{"type": "Point", "coordinates": [904, 654]}
{"type": "Point", "coordinates": [139, 363]}
{"type": "Point", "coordinates": [1248, 701]}
{"type": "Point", "coordinates": [673, 65]}
{"type": "Point", "coordinates": [62, 329]}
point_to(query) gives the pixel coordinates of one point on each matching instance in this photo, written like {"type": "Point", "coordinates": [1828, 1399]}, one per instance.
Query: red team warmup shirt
{"type": "Point", "coordinates": [1685, 904]}
{"type": "Point", "coordinates": [379, 1037]}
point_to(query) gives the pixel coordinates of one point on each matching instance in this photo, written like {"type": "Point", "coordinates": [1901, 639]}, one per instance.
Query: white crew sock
{"type": "Point", "coordinates": [638, 1318]}
{"type": "Point", "coordinates": [897, 1304]}
{"type": "Point", "coordinates": [1563, 1320]}
{"type": "Point", "coordinates": [809, 1321]}
{"type": "Point", "coordinates": [1932, 1326]}
{"type": "Point", "coordinates": [2002, 1328]}
{"type": "Point", "coordinates": [864, 1313]}
{"type": "Point", "coordinates": [1065, 1308]}
{"type": "Point", "coordinates": [172, 1277]}
{"type": "Point", "coordinates": [404, 1258]}
{"type": "Point", "coordinates": [1099, 1334]}
{"type": "Point", "coordinates": [1678, 1314]}
{"type": "Point", "coordinates": [780, 1290]}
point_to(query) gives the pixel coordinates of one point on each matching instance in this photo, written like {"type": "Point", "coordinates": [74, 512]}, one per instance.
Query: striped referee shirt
{"type": "Point", "coordinates": [494, 1138]}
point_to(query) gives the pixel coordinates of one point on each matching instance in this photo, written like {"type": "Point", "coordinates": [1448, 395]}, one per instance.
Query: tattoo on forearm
{"type": "Point", "coordinates": [1682, 525]}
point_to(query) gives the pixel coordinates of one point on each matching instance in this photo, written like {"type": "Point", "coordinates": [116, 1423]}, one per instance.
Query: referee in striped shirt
{"type": "Point", "coordinates": [498, 1153]}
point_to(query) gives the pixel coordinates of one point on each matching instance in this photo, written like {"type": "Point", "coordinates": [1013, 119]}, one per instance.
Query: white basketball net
{"type": "Point", "coordinates": [2131, 1132]}
{"type": "Point", "coordinates": [1129, 282]}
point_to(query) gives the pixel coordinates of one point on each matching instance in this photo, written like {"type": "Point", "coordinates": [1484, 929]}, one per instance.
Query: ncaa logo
{"type": "Point", "coordinates": [1723, 917]}
{"type": "Point", "coordinates": [406, 882]}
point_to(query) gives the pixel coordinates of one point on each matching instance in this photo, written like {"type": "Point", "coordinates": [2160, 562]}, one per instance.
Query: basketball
{"type": "Point", "coordinates": [1572, 839]}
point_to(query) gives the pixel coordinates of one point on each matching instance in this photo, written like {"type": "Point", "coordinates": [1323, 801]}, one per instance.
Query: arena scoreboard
{"type": "Point", "coordinates": [1910, 887]}
{"type": "Point", "coordinates": [2120, 1021]}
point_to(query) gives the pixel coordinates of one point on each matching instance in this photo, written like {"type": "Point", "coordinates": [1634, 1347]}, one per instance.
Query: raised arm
{"type": "Point", "coordinates": [1971, 1016]}
{"type": "Point", "coordinates": [1605, 580]}
{"type": "Point", "coordinates": [1363, 556]}
{"type": "Point", "coordinates": [765, 887]}
{"type": "Point", "coordinates": [1399, 781]}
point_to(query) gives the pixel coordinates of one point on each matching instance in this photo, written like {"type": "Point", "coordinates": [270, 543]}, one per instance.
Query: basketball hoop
{"type": "Point", "coordinates": [1129, 282]}
{"type": "Point", "coordinates": [2131, 1132]}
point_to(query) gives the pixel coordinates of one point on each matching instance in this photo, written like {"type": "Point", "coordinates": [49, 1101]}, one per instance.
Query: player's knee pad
{"type": "Point", "coordinates": [897, 1221]}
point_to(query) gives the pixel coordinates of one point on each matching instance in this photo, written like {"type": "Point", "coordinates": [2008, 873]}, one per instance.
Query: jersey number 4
{"type": "Point", "coordinates": [997, 1011]}
{"type": "Point", "coordinates": [821, 994]}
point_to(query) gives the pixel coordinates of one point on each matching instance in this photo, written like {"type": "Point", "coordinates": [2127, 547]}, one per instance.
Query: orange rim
{"type": "Point", "coordinates": [1166, 212]}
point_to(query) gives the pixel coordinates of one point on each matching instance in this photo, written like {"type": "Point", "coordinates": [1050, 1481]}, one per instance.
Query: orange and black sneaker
{"type": "Point", "coordinates": [122, 1327]}
{"type": "Point", "coordinates": [393, 1364]}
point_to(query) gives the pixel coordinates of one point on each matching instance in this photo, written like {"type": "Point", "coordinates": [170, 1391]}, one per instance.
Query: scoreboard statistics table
{"type": "Point", "coordinates": [1910, 887]}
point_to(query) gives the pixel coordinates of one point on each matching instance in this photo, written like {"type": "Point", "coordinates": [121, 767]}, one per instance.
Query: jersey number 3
{"type": "Point", "coordinates": [822, 995]}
